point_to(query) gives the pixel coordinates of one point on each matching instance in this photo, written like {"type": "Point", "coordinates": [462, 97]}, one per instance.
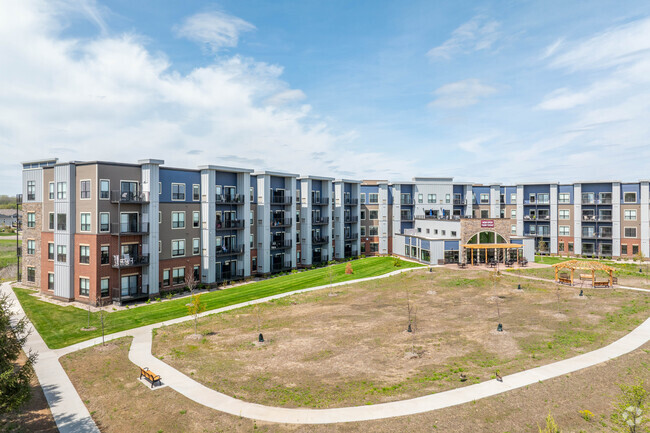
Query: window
{"type": "Point", "coordinates": [485, 198]}
{"type": "Point", "coordinates": [513, 214]}
{"type": "Point", "coordinates": [564, 231]}
{"type": "Point", "coordinates": [51, 220]}
{"type": "Point", "coordinates": [587, 198]}
{"type": "Point", "coordinates": [84, 189]}
{"type": "Point", "coordinates": [629, 214]}
{"type": "Point", "coordinates": [431, 198]}
{"type": "Point", "coordinates": [252, 214]}
{"type": "Point", "coordinates": [31, 219]}
{"type": "Point", "coordinates": [635, 249]}
{"type": "Point", "coordinates": [564, 198]}
{"type": "Point", "coordinates": [630, 232]}
{"type": "Point", "coordinates": [513, 229]}
{"type": "Point", "coordinates": [543, 198]}
{"type": "Point", "coordinates": [623, 249]}
{"type": "Point", "coordinates": [104, 287]}
{"type": "Point", "coordinates": [420, 198]}
{"type": "Point", "coordinates": [104, 189]}
{"type": "Point", "coordinates": [363, 214]}
{"type": "Point", "coordinates": [104, 221]}
{"type": "Point", "coordinates": [374, 247]}
{"type": "Point", "coordinates": [513, 198]}
{"type": "Point", "coordinates": [51, 191]}
{"type": "Point", "coordinates": [166, 277]}
{"type": "Point", "coordinates": [31, 246]}
{"type": "Point", "coordinates": [564, 214]}
{"type": "Point", "coordinates": [363, 231]}
{"type": "Point", "coordinates": [629, 197]}
{"type": "Point", "coordinates": [178, 191]}
{"type": "Point", "coordinates": [178, 275]}
{"type": "Point", "coordinates": [196, 246]}
{"type": "Point", "coordinates": [453, 234]}
{"type": "Point", "coordinates": [50, 281]}
{"type": "Point", "coordinates": [560, 247]}
{"type": "Point", "coordinates": [448, 198]}
{"type": "Point", "coordinates": [61, 253]}
{"type": "Point", "coordinates": [570, 245]}
{"type": "Point", "coordinates": [196, 192]}
{"type": "Point", "coordinates": [31, 190]}
{"type": "Point", "coordinates": [85, 222]}
{"type": "Point", "coordinates": [84, 286]}
{"type": "Point", "coordinates": [443, 232]}
{"type": "Point", "coordinates": [373, 215]}
{"type": "Point", "coordinates": [50, 250]}
{"type": "Point", "coordinates": [84, 254]}
{"type": "Point", "coordinates": [196, 219]}
{"type": "Point", "coordinates": [484, 214]}
{"type": "Point", "coordinates": [178, 220]}
{"type": "Point", "coordinates": [31, 274]}
{"type": "Point", "coordinates": [362, 197]}
{"type": "Point", "coordinates": [373, 198]}
{"type": "Point", "coordinates": [61, 190]}
{"type": "Point", "coordinates": [252, 194]}
{"type": "Point", "coordinates": [61, 220]}
{"type": "Point", "coordinates": [373, 230]}
{"type": "Point", "coordinates": [104, 255]}
{"type": "Point", "coordinates": [178, 247]}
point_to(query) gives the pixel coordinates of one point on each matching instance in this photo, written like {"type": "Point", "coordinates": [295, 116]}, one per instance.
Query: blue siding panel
{"type": "Point", "coordinates": [169, 176]}
{"type": "Point", "coordinates": [452, 245]}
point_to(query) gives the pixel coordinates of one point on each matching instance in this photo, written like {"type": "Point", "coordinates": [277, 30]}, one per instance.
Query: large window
{"type": "Point", "coordinates": [51, 191]}
{"type": "Point", "coordinates": [564, 198]}
{"type": "Point", "coordinates": [50, 251]}
{"type": "Point", "coordinates": [374, 247]}
{"type": "Point", "coordinates": [31, 219]}
{"type": "Point", "coordinates": [196, 192]}
{"type": "Point", "coordinates": [564, 231]}
{"type": "Point", "coordinates": [196, 246]}
{"type": "Point", "coordinates": [104, 222]}
{"type": "Point", "coordinates": [178, 275]}
{"type": "Point", "coordinates": [373, 230]}
{"type": "Point", "coordinates": [50, 281]}
{"type": "Point", "coordinates": [513, 214]}
{"type": "Point", "coordinates": [31, 247]}
{"type": "Point", "coordinates": [543, 198]}
{"type": "Point", "coordinates": [178, 220]}
{"type": "Point", "coordinates": [564, 214]}
{"type": "Point", "coordinates": [373, 215]}
{"type": "Point", "coordinates": [104, 287]}
{"type": "Point", "coordinates": [85, 222]}
{"type": "Point", "coordinates": [630, 232]}
{"type": "Point", "coordinates": [629, 214]}
{"type": "Point", "coordinates": [166, 280]}
{"type": "Point", "coordinates": [104, 189]}
{"type": "Point", "coordinates": [373, 198]}
{"type": "Point", "coordinates": [61, 253]}
{"type": "Point", "coordinates": [178, 191]}
{"type": "Point", "coordinates": [196, 219]}
{"type": "Point", "coordinates": [588, 198]}
{"type": "Point", "coordinates": [61, 190]}
{"type": "Point", "coordinates": [84, 189]}
{"type": "Point", "coordinates": [178, 247]}
{"type": "Point", "coordinates": [362, 231]}
{"type": "Point", "coordinates": [84, 286]}
{"type": "Point", "coordinates": [105, 256]}
{"type": "Point", "coordinates": [362, 198]}
{"type": "Point", "coordinates": [31, 190]}
{"type": "Point", "coordinates": [84, 254]}
{"type": "Point", "coordinates": [629, 197]}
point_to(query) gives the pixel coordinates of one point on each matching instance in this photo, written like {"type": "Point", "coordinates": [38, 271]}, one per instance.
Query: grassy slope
{"type": "Point", "coordinates": [60, 326]}
{"type": "Point", "coordinates": [8, 251]}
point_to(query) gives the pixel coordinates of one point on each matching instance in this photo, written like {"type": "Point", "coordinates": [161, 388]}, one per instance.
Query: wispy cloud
{"type": "Point", "coordinates": [461, 94]}
{"type": "Point", "coordinates": [479, 33]}
{"type": "Point", "coordinates": [214, 29]}
{"type": "Point", "coordinates": [551, 49]}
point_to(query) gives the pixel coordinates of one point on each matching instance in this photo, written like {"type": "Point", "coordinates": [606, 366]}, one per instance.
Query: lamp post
{"type": "Point", "coordinates": [19, 200]}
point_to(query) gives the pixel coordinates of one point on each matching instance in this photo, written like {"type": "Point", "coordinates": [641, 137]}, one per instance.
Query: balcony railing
{"type": "Point", "coordinates": [594, 235]}
{"type": "Point", "coordinates": [351, 201]}
{"type": "Point", "coordinates": [131, 294]}
{"type": "Point", "coordinates": [406, 202]}
{"type": "Point", "coordinates": [604, 218]}
{"type": "Point", "coordinates": [229, 251]}
{"type": "Point", "coordinates": [539, 235]}
{"type": "Point", "coordinates": [320, 201]}
{"type": "Point", "coordinates": [351, 219]}
{"type": "Point", "coordinates": [351, 236]}
{"type": "Point", "coordinates": [589, 217]}
{"type": "Point", "coordinates": [129, 261]}
{"type": "Point", "coordinates": [458, 201]}
{"type": "Point", "coordinates": [280, 266]}
{"type": "Point", "coordinates": [230, 224]}
{"type": "Point", "coordinates": [230, 199]}
{"type": "Point", "coordinates": [281, 200]}
{"type": "Point", "coordinates": [320, 220]}
{"type": "Point", "coordinates": [407, 217]}
{"type": "Point", "coordinates": [537, 218]}
{"type": "Point", "coordinates": [231, 275]}
{"type": "Point", "coordinates": [280, 222]}
{"type": "Point", "coordinates": [129, 197]}
{"type": "Point", "coordinates": [129, 228]}
{"type": "Point", "coordinates": [281, 244]}
{"type": "Point", "coordinates": [317, 240]}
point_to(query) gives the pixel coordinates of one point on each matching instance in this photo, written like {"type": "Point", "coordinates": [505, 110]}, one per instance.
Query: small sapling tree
{"type": "Point", "coordinates": [631, 409]}
{"type": "Point", "coordinates": [194, 308]}
{"type": "Point", "coordinates": [348, 268]}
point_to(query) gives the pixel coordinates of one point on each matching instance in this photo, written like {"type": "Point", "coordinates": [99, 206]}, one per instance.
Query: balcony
{"type": "Point", "coordinates": [351, 237]}
{"type": "Point", "coordinates": [129, 197]}
{"type": "Point", "coordinates": [230, 225]}
{"type": "Point", "coordinates": [594, 235]}
{"type": "Point", "coordinates": [589, 218]}
{"type": "Point", "coordinates": [321, 201]}
{"type": "Point", "coordinates": [537, 218]}
{"type": "Point", "coordinates": [318, 258]}
{"type": "Point", "coordinates": [129, 228]}
{"type": "Point", "coordinates": [406, 217]}
{"type": "Point", "coordinates": [280, 266]}
{"type": "Point", "coordinates": [318, 221]}
{"type": "Point", "coordinates": [283, 200]}
{"type": "Point", "coordinates": [605, 201]}
{"type": "Point", "coordinates": [129, 261]}
{"type": "Point", "coordinates": [604, 218]}
{"type": "Point", "coordinates": [280, 244]}
{"type": "Point", "coordinates": [588, 201]}
{"type": "Point", "coordinates": [130, 294]}
{"type": "Point", "coordinates": [280, 222]}
{"type": "Point", "coordinates": [319, 240]}
{"type": "Point", "coordinates": [351, 201]}
{"type": "Point", "coordinates": [230, 199]}
{"type": "Point", "coordinates": [459, 202]}
{"type": "Point", "coordinates": [406, 202]}
{"type": "Point", "coordinates": [231, 275]}
{"type": "Point", "coordinates": [351, 219]}
{"type": "Point", "coordinates": [229, 251]}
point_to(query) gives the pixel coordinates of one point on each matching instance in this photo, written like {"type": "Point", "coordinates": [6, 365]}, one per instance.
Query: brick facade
{"type": "Point", "coordinates": [32, 233]}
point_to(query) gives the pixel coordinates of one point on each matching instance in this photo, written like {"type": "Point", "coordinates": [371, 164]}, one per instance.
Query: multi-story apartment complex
{"type": "Point", "coordinates": [116, 231]}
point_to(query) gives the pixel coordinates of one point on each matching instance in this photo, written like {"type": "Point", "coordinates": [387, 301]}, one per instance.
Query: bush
{"type": "Point", "coordinates": [348, 268]}
{"type": "Point", "coordinates": [397, 262]}
{"type": "Point", "coordinates": [587, 415]}
{"type": "Point", "coordinates": [551, 425]}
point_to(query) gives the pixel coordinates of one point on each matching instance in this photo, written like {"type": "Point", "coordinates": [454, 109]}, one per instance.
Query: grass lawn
{"type": "Point", "coordinates": [61, 326]}
{"type": "Point", "coordinates": [8, 251]}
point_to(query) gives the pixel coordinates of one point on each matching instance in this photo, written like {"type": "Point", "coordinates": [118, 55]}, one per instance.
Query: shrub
{"type": "Point", "coordinates": [586, 414]}
{"type": "Point", "coordinates": [397, 262]}
{"type": "Point", "coordinates": [348, 268]}
{"type": "Point", "coordinates": [551, 425]}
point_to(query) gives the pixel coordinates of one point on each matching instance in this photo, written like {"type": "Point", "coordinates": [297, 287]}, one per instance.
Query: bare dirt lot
{"type": "Point", "coordinates": [353, 348]}
{"type": "Point", "coordinates": [108, 383]}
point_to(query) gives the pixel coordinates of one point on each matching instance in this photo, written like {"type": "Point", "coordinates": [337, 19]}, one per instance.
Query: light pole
{"type": "Point", "coordinates": [19, 200]}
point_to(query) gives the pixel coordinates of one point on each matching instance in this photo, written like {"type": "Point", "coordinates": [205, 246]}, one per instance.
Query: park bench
{"type": "Point", "coordinates": [461, 265]}
{"type": "Point", "coordinates": [602, 283]}
{"type": "Point", "coordinates": [150, 376]}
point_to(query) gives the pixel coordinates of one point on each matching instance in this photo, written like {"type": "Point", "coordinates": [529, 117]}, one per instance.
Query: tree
{"type": "Point", "coordinates": [15, 380]}
{"type": "Point", "coordinates": [630, 413]}
{"type": "Point", "coordinates": [196, 307]}
{"type": "Point", "coordinates": [551, 425]}
{"type": "Point", "coordinates": [191, 282]}
{"type": "Point", "coordinates": [330, 273]}
{"type": "Point", "coordinates": [542, 246]}
{"type": "Point", "coordinates": [348, 268]}
{"type": "Point", "coordinates": [102, 316]}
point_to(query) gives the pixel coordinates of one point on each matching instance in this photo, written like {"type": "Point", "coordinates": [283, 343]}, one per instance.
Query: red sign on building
{"type": "Point", "coordinates": [487, 223]}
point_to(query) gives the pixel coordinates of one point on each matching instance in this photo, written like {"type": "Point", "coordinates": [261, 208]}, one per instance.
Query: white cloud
{"type": "Point", "coordinates": [461, 94]}
{"type": "Point", "coordinates": [551, 49]}
{"type": "Point", "coordinates": [214, 29]}
{"type": "Point", "coordinates": [477, 34]}
{"type": "Point", "coordinates": [111, 98]}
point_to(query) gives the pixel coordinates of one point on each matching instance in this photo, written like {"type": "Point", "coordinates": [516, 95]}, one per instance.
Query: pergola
{"type": "Point", "coordinates": [495, 247]}
{"type": "Point", "coordinates": [583, 265]}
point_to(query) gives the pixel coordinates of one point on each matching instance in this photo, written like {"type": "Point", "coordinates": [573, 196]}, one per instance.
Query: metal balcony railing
{"type": "Point", "coordinates": [319, 240]}
{"type": "Point", "coordinates": [230, 199]}
{"type": "Point", "coordinates": [351, 201]}
{"type": "Point", "coordinates": [589, 217]}
{"type": "Point", "coordinates": [231, 275]}
{"type": "Point", "coordinates": [604, 218]}
{"type": "Point", "coordinates": [285, 243]}
{"type": "Point", "coordinates": [320, 201]}
{"type": "Point", "coordinates": [129, 197]}
{"type": "Point", "coordinates": [129, 261]}
{"type": "Point", "coordinates": [281, 200]}
{"type": "Point", "coordinates": [351, 236]}
{"type": "Point", "coordinates": [280, 266]}
{"type": "Point", "coordinates": [129, 228]}
{"type": "Point", "coordinates": [280, 222]}
{"type": "Point", "coordinates": [460, 202]}
{"type": "Point", "coordinates": [230, 224]}
{"type": "Point", "coordinates": [229, 251]}
{"type": "Point", "coordinates": [320, 220]}
{"type": "Point", "coordinates": [130, 294]}
{"type": "Point", "coordinates": [406, 217]}
{"type": "Point", "coordinates": [351, 219]}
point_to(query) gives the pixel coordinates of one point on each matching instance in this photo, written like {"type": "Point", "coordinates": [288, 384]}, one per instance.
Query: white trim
{"type": "Point", "coordinates": [630, 202]}
{"type": "Point", "coordinates": [99, 189]}
{"type": "Point", "coordinates": [53, 191]}
{"type": "Point", "coordinates": [171, 250]}
{"type": "Point", "coordinates": [171, 193]}
{"type": "Point", "coordinates": [193, 185]}
{"type": "Point", "coordinates": [90, 223]}
{"type": "Point", "coordinates": [194, 213]}
{"type": "Point", "coordinates": [90, 189]}
{"type": "Point", "coordinates": [630, 237]}
{"type": "Point", "coordinates": [172, 220]}
{"type": "Point", "coordinates": [193, 253]}
{"type": "Point", "coordinates": [100, 222]}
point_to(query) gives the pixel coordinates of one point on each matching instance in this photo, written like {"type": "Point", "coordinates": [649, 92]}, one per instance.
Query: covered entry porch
{"type": "Point", "coordinates": [493, 252]}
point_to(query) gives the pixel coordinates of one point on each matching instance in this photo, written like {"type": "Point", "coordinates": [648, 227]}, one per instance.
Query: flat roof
{"type": "Point", "coordinates": [225, 168]}
{"type": "Point", "coordinates": [347, 181]}
{"type": "Point", "coordinates": [308, 176]}
{"type": "Point", "coordinates": [433, 179]}
{"type": "Point", "coordinates": [274, 173]}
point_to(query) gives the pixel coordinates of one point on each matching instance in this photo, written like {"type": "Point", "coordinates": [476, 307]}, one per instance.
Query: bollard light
{"type": "Point", "coordinates": [500, 328]}
{"type": "Point", "coordinates": [518, 286]}
{"type": "Point", "coordinates": [409, 329]}
{"type": "Point", "coordinates": [261, 338]}
{"type": "Point", "coordinates": [581, 294]}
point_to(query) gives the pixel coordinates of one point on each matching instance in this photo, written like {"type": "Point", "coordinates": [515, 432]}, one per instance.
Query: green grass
{"type": "Point", "coordinates": [8, 252]}
{"type": "Point", "coordinates": [61, 326]}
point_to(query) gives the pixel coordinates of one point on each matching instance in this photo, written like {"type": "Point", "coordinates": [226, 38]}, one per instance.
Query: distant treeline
{"type": "Point", "coordinates": [7, 202]}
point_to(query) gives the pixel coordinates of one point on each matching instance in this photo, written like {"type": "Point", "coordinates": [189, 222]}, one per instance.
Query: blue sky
{"type": "Point", "coordinates": [495, 91]}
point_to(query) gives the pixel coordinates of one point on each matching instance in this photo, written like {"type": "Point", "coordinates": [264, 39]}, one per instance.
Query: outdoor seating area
{"type": "Point", "coordinates": [590, 278]}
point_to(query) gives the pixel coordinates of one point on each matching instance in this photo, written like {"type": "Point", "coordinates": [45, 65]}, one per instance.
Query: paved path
{"type": "Point", "coordinates": [69, 412]}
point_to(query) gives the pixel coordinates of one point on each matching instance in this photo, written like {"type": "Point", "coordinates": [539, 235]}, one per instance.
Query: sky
{"type": "Point", "coordinates": [496, 91]}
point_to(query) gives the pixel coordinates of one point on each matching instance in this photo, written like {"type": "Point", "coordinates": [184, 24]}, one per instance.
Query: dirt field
{"type": "Point", "coordinates": [120, 403]}
{"type": "Point", "coordinates": [353, 348]}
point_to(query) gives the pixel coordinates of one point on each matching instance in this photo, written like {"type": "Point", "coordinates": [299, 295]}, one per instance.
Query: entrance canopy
{"type": "Point", "coordinates": [494, 247]}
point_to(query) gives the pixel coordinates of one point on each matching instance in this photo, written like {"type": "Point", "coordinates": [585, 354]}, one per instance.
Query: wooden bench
{"type": "Point", "coordinates": [150, 376]}
{"type": "Point", "coordinates": [563, 280]}
{"type": "Point", "coordinates": [604, 283]}
{"type": "Point", "coordinates": [585, 276]}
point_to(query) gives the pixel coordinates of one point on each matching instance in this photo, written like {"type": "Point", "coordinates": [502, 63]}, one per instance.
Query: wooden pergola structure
{"type": "Point", "coordinates": [495, 247]}
{"type": "Point", "coordinates": [584, 265]}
